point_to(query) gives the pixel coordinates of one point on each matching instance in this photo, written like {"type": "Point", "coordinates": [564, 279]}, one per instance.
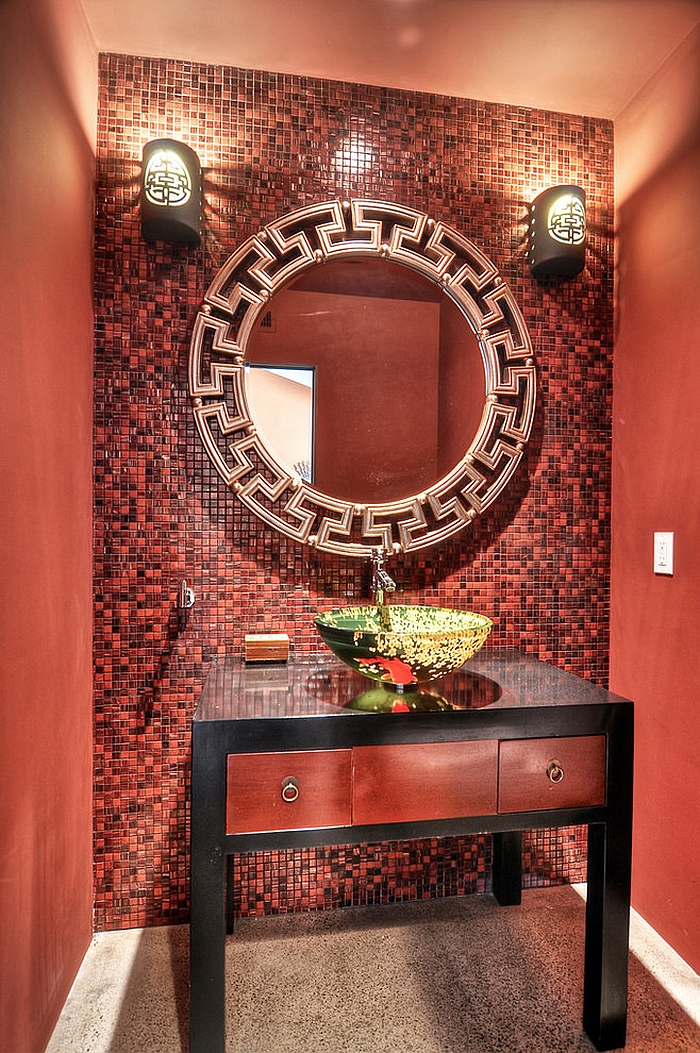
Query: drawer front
{"type": "Point", "coordinates": [288, 791]}
{"type": "Point", "coordinates": [537, 774]}
{"type": "Point", "coordinates": [431, 780]}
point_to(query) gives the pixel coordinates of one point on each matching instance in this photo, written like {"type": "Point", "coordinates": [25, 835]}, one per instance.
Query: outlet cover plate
{"type": "Point", "coordinates": [663, 552]}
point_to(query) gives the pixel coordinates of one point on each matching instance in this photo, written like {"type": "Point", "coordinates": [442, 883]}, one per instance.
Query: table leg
{"type": "Point", "coordinates": [207, 961]}
{"type": "Point", "coordinates": [507, 867]}
{"type": "Point", "coordinates": [230, 897]}
{"type": "Point", "coordinates": [607, 937]}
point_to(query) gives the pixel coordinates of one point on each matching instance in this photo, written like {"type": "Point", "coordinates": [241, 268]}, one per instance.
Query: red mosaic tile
{"type": "Point", "coordinates": [537, 562]}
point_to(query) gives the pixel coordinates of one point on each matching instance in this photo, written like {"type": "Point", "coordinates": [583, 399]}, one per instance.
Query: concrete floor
{"type": "Point", "coordinates": [447, 976]}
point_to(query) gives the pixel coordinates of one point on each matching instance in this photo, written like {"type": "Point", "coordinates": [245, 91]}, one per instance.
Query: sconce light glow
{"type": "Point", "coordinates": [171, 193]}
{"type": "Point", "coordinates": [354, 156]}
{"type": "Point", "coordinates": [557, 232]}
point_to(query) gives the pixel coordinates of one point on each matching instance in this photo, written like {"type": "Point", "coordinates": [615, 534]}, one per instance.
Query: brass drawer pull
{"type": "Point", "coordinates": [555, 771]}
{"type": "Point", "coordinates": [290, 789]}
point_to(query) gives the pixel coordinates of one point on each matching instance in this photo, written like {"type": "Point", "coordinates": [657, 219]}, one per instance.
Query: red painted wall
{"type": "Point", "coordinates": [47, 84]}
{"type": "Point", "coordinates": [537, 562]}
{"type": "Point", "coordinates": [655, 620]}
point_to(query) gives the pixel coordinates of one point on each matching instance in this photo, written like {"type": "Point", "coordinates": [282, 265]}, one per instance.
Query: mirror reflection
{"type": "Point", "coordinates": [395, 381]}
{"type": "Point", "coordinates": [282, 404]}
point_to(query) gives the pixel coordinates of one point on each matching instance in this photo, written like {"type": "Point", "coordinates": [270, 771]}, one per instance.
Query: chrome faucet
{"type": "Point", "coordinates": [381, 582]}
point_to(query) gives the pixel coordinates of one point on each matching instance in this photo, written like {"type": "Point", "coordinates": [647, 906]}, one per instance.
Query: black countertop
{"type": "Point", "coordinates": [493, 679]}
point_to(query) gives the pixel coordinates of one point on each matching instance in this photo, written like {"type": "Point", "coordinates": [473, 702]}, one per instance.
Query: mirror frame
{"type": "Point", "coordinates": [241, 291]}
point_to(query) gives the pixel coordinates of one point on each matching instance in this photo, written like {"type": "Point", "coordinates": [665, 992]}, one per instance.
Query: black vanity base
{"type": "Point", "coordinates": [278, 762]}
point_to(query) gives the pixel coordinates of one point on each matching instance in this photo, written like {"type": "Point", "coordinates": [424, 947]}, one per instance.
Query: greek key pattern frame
{"type": "Point", "coordinates": [240, 293]}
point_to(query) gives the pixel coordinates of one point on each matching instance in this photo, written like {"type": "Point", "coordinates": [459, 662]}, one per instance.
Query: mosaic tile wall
{"type": "Point", "coordinates": [537, 562]}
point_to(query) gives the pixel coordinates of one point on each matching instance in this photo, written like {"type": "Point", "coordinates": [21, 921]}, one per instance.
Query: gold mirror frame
{"type": "Point", "coordinates": [242, 290]}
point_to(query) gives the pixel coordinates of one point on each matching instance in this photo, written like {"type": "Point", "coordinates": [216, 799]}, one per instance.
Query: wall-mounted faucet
{"type": "Point", "coordinates": [381, 582]}
{"type": "Point", "coordinates": [185, 602]}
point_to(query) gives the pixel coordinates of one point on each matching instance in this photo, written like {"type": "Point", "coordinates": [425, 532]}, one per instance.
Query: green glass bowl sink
{"type": "Point", "coordinates": [403, 646]}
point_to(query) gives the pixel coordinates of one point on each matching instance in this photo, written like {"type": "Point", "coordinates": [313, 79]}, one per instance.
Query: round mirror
{"type": "Point", "coordinates": [362, 377]}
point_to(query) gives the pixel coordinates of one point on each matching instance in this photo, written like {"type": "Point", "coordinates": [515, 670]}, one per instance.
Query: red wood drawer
{"type": "Point", "coordinates": [430, 780]}
{"type": "Point", "coordinates": [255, 783]}
{"type": "Point", "coordinates": [524, 783]}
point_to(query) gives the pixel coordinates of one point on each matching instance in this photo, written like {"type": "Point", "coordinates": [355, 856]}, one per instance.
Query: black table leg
{"type": "Point", "coordinates": [607, 939]}
{"type": "Point", "coordinates": [207, 963]}
{"type": "Point", "coordinates": [208, 919]}
{"type": "Point", "coordinates": [507, 867]}
{"type": "Point", "coordinates": [230, 895]}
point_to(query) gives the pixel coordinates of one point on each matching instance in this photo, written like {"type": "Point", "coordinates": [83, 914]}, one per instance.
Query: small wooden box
{"type": "Point", "coordinates": [266, 647]}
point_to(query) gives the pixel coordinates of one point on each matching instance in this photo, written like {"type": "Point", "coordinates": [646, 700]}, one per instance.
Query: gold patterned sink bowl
{"type": "Point", "coordinates": [402, 647]}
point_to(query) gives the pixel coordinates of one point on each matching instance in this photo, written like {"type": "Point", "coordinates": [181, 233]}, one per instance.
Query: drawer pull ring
{"type": "Point", "coordinates": [290, 789]}
{"type": "Point", "coordinates": [555, 771]}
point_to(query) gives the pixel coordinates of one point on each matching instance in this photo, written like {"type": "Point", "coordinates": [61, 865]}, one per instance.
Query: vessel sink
{"type": "Point", "coordinates": [403, 646]}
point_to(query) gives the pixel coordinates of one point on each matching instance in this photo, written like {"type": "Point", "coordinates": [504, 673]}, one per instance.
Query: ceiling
{"type": "Point", "coordinates": [576, 56]}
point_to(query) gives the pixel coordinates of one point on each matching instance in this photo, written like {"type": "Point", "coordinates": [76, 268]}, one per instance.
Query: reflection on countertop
{"type": "Point", "coordinates": [322, 687]}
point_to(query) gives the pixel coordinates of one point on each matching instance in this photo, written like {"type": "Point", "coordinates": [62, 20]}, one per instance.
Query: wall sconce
{"type": "Point", "coordinates": [171, 193]}
{"type": "Point", "coordinates": [558, 232]}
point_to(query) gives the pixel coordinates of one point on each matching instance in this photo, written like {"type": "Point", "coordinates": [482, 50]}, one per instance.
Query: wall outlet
{"type": "Point", "coordinates": [663, 553]}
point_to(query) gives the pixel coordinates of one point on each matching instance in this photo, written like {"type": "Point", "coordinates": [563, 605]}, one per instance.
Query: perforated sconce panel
{"type": "Point", "coordinates": [171, 193]}
{"type": "Point", "coordinates": [557, 232]}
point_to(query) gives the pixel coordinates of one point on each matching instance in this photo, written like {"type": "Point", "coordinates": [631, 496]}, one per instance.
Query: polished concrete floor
{"type": "Point", "coordinates": [448, 976]}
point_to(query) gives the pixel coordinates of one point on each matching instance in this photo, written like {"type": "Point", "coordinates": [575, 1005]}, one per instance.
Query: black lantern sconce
{"type": "Point", "coordinates": [171, 193]}
{"type": "Point", "coordinates": [557, 232]}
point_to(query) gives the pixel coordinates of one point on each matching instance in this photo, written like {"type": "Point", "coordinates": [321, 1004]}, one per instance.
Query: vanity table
{"type": "Point", "coordinates": [278, 762]}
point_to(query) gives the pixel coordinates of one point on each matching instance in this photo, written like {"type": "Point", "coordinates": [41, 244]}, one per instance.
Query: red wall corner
{"type": "Point", "coordinates": [47, 219]}
{"type": "Point", "coordinates": [655, 629]}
